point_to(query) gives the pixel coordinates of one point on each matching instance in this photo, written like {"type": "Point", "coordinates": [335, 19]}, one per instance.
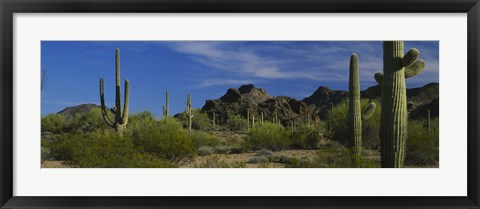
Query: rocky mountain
{"type": "Point", "coordinates": [83, 108]}
{"type": "Point", "coordinates": [421, 97]}
{"type": "Point", "coordinates": [258, 101]}
{"type": "Point", "coordinates": [323, 99]}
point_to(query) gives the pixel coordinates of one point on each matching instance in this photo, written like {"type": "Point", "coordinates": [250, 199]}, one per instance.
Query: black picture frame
{"type": "Point", "coordinates": [9, 7]}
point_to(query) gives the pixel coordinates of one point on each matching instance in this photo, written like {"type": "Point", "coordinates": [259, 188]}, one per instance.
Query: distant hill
{"type": "Point", "coordinates": [79, 109]}
{"type": "Point", "coordinates": [237, 101]}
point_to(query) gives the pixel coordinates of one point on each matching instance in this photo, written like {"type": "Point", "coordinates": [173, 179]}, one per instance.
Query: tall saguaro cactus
{"type": "Point", "coordinates": [427, 122]}
{"type": "Point", "coordinates": [355, 116]}
{"type": "Point", "coordinates": [165, 108]}
{"type": "Point", "coordinates": [397, 66]}
{"type": "Point", "coordinates": [121, 118]}
{"type": "Point", "coordinates": [189, 111]}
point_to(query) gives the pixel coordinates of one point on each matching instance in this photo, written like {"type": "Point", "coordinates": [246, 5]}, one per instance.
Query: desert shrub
{"type": "Point", "coordinates": [268, 136]}
{"type": "Point", "coordinates": [54, 123]}
{"type": "Point", "coordinates": [237, 144]}
{"type": "Point", "coordinates": [89, 121]}
{"type": "Point", "coordinates": [338, 122]}
{"type": "Point", "coordinates": [166, 139]}
{"type": "Point", "coordinates": [333, 156]}
{"type": "Point", "coordinates": [141, 119]}
{"type": "Point", "coordinates": [200, 121]}
{"type": "Point", "coordinates": [306, 136]}
{"type": "Point", "coordinates": [259, 159]}
{"type": "Point", "coordinates": [102, 150]}
{"type": "Point", "coordinates": [214, 161]}
{"type": "Point", "coordinates": [237, 123]}
{"type": "Point", "coordinates": [202, 139]}
{"type": "Point", "coordinates": [422, 145]}
{"type": "Point", "coordinates": [265, 152]}
{"type": "Point", "coordinates": [204, 142]}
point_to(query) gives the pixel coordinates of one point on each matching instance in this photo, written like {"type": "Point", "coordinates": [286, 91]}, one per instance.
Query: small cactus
{"type": "Point", "coordinates": [292, 126]}
{"type": "Point", "coordinates": [253, 121]}
{"type": "Point", "coordinates": [276, 118]}
{"type": "Point", "coordinates": [394, 116]}
{"type": "Point", "coordinates": [189, 112]}
{"type": "Point", "coordinates": [121, 118]}
{"type": "Point", "coordinates": [261, 119]}
{"type": "Point", "coordinates": [213, 120]}
{"type": "Point", "coordinates": [427, 122]}
{"type": "Point", "coordinates": [354, 107]}
{"type": "Point", "coordinates": [165, 108]}
{"type": "Point", "coordinates": [248, 119]}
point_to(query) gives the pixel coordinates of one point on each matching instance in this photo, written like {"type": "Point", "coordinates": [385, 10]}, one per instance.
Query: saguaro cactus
{"type": "Point", "coordinates": [394, 117]}
{"type": "Point", "coordinates": [253, 121]}
{"type": "Point", "coordinates": [213, 121]}
{"type": "Point", "coordinates": [189, 111]}
{"type": "Point", "coordinates": [121, 118]}
{"type": "Point", "coordinates": [248, 119]}
{"type": "Point", "coordinates": [354, 107]}
{"type": "Point", "coordinates": [165, 108]}
{"type": "Point", "coordinates": [427, 122]}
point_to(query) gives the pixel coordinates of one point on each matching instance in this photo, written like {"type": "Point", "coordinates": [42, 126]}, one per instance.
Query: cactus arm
{"type": "Point", "coordinates": [105, 116]}
{"type": "Point", "coordinates": [414, 69]}
{"type": "Point", "coordinates": [368, 111]}
{"type": "Point", "coordinates": [126, 102]}
{"type": "Point", "coordinates": [378, 77]}
{"type": "Point", "coordinates": [410, 57]}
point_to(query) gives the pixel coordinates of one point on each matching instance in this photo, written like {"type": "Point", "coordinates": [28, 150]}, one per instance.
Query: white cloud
{"type": "Point", "coordinates": [283, 60]}
{"type": "Point", "coordinates": [220, 82]}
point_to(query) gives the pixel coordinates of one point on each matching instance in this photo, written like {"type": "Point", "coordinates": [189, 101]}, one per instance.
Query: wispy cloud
{"type": "Point", "coordinates": [289, 60]}
{"type": "Point", "coordinates": [256, 63]}
{"type": "Point", "coordinates": [223, 82]}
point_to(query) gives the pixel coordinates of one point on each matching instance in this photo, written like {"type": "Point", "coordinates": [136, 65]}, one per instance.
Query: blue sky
{"type": "Point", "coordinates": [208, 68]}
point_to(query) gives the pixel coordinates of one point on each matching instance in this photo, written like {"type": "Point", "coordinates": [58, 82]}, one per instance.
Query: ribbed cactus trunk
{"type": "Point", "coordinates": [394, 116]}
{"type": "Point", "coordinates": [121, 118]}
{"type": "Point", "coordinates": [354, 107]}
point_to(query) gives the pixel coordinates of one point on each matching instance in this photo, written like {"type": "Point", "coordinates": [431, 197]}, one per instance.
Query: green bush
{"type": "Point", "coordinates": [102, 150]}
{"type": "Point", "coordinates": [422, 145]}
{"type": "Point", "coordinates": [200, 121]}
{"type": "Point", "coordinates": [268, 136]}
{"type": "Point", "coordinates": [141, 119]}
{"type": "Point", "coordinates": [306, 136]}
{"type": "Point", "coordinates": [333, 156]}
{"type": "Point", "coordinates": [338, 123]}
{"type": "Point", "coordinates": [166, 139]}
{"type": "Point", "coordinates": [215, 162]}
{"type": "Point", "coordinates": [86, 122]}
{"type": "Point", "coordinates": [237, 123]}
{"type": "Point", "coordinates": [201, 138]}
{"type": "Point", "coordinates": [54, 123]}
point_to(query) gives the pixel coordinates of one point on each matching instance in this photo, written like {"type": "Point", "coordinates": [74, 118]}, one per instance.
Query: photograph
{"type": "Point", "coordinates": [239, 104]}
